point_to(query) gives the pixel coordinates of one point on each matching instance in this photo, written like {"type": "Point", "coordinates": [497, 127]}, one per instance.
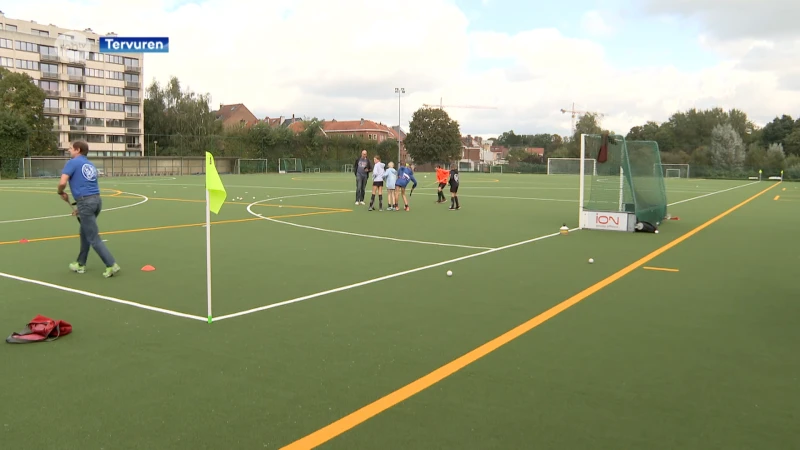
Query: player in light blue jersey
{"type": "Point", "coordinates": [404, 176]}
{"type": "Point", "coordinates": [390, 177]}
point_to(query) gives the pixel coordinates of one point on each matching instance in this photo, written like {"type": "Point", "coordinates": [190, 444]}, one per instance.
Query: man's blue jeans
{"type": "Point", "coordinates": [89, 208]}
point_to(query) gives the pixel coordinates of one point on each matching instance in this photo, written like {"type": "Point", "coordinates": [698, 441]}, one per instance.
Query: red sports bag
{"type": "Point", "coordinates": [41, 329]}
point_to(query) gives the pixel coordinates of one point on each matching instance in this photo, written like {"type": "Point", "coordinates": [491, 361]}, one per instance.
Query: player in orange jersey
{"type": "Point", "coordinates": [442, 175]}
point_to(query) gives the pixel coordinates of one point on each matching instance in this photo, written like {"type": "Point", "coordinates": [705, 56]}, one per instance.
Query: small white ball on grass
{"type": "Point", "coordinates": [449, 273]}
{"type": "Point", "coordinates": [591, 260]}
{"type": "Point", "coordinates": [656, 231]}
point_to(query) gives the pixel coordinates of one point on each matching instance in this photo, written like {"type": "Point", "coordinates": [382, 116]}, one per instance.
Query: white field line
{"type": "Point", "coordinates": [347, 233]}
{"type": "Point", "coordinates": [70, 215]}
{"type": "Point", "coordinates": [386, 277]}
{"type": "Point", "coordinates": [430, 266]}
{"type": "Point", "coordinates": [712, 193]}
{"type": "Point", "coordinates": [103, 297]}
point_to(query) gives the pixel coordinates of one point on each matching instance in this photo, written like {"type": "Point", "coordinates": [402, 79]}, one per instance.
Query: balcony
{"type": "Point", "coordinates": [50, 58]}
{"type": "Point", "coordinates": [131, 84]}
{"type": "Point", "coordinates": [76, 62]}
{"type": "Point", "coordinates": [135, 100]}
{"type": "Point", "coordinates": [130, 146]}
{"type": "Point", "coordinates": [73, 94]}
{"type": "Point", "coordinates": [133, 69]}
{"type": "Point", "coordinates": [77, 78]}
{"type": "Point", "coordinates": [49, 93]}
{"type": "Point", "coordinates": [51, 110]}
{"type": "Point", "coordinates": [132, 115]}
{"type": "Point", "coordinates": [77, 112]}
{"type": "Point", "coordinates": [77, 128]}
{"type": "Point", "coordinates": [133, 131]}
{"type": "Point", "coordinates": [50, 75]}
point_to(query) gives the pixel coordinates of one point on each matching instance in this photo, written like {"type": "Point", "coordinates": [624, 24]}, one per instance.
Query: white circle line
{"type": "Point", "coordinates": [70, 215]}
{"type": "Point", "coordinates": [347, 233]}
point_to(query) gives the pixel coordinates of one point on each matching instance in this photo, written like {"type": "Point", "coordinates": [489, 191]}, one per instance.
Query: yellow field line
{"type": "Point", "coordinates": [52, 191]}
{"type": "Point", "coordinates": [360, 416]}
{"type": "Point", "coordinates": [173, 227]}
{"type": "Point", "coordinates": [662, 269]}
{"type": "Point", "coordinates": [777, 197]}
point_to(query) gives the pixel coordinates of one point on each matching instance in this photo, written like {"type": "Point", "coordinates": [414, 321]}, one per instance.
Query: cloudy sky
{"type": "Point", "coordinates": [633, 61]}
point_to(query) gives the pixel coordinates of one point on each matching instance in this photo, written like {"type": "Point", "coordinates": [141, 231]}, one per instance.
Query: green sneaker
{"type": "Point", "coordinates": [111, 271]}
{"type": "Point", "coordinates": [75, 267]}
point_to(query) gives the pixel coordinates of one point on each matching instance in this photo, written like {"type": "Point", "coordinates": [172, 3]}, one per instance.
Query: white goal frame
{"type": "Point", "coordinates": [495, 166]}
{"type": "Point", "coordinates": [680, 167]}
{"type": "Point", "coordinates": [239, 165]}
{"type": "Point", "coordinates": [296, 162]}
{"type": "Point", "coordinates": [347, 168]}
{"type": "Point", "coordinates": [608, 220]}
{"type": "Point", "coordinates": [580, 160]}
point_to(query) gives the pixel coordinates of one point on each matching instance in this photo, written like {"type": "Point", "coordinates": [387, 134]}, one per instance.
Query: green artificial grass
{"type": "Point", "coordinates": [700, 358]}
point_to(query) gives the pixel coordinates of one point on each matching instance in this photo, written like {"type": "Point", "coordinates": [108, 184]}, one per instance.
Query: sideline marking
{"type": "Point", "coordinates": [103, 297]}
{"type": "Point", "coordinates": [70, 215]}
{"type": "Point", "coordinates": [386, 277]}
{"type": "Point", "coordinates": [412, 241]}
{"type": "Point", "coordinates": [168, 227]}
{"type": "Point", "coordinates": [346, 423]}
{"type": "Point", "coordinates": [714, 193]}
{"type": "Point", "coordinates": [662, 269]}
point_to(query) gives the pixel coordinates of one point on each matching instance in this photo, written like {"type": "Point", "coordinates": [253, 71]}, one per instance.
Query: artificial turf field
{"type": "Point", "coordinates": [355, 338]}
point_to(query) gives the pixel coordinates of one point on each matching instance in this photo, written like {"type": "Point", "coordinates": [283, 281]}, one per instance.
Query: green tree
{"type": "Point", "coordinates": [26, 100]}
{"type": "Point", "coordinates": [433, 137]}
{"type": "Point", "coordinates": [14, 135]}
{"type": "Point", "coordinates": [775, 158]}
{"type": "Point", "coordinates": [181, 121]}
{"type": "Point", "coordinates": [727, 148]}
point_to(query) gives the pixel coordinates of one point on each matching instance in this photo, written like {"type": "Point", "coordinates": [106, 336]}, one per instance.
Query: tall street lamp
{"type": "Point", "coordinates": [399, 92]}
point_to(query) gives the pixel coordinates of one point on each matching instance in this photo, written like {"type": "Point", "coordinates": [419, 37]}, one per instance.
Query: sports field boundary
{"type": "Point", "coordinates": [102, 297]}
{"type": "Point", "coordinates": [392, 399]}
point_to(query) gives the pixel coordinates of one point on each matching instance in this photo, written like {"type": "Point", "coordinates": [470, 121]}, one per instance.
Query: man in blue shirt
{"type": "Point", "coordinates": [81, 175]}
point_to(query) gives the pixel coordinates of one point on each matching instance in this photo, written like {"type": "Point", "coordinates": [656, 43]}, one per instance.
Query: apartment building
{"type": "Point", "coordinates": [90, 95]}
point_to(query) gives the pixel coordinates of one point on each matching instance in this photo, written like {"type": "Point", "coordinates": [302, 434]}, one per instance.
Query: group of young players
{"type": "Point", "coordinates": [394, 179]}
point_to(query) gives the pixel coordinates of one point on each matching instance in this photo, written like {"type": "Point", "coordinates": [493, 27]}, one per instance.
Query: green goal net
{"type": "Point", "coordinates": [628, 179]}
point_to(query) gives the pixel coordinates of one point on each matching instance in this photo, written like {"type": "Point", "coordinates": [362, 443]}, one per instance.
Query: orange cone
{"type": "Point", "coordinates": [148, 268]}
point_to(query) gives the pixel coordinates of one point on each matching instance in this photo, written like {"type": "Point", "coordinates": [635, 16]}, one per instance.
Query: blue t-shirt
{"type": "Point", "coordinates": [82, 177]}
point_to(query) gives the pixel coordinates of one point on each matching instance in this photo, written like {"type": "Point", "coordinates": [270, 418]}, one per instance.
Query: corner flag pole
{"type": "Point", "coordinates": [208, 251]}
{"type": "Point", "coordinates": [215, 197]}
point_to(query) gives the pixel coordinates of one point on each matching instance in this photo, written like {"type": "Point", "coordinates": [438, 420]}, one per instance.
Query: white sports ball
{"type": "Point", "coordinates": [656, 231]}
{"type": "Point", "coordinates": [449, 273]}
{"type": "Point", "coordinates": [591, 260]}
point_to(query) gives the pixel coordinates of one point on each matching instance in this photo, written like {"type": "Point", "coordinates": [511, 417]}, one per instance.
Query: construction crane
{"type": "Point", "coordinates": [573, 111]}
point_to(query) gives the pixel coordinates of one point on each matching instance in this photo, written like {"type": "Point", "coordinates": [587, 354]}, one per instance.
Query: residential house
{"type": "Point", "coordinates": [501, 153]}
{"type": "Point", "coordinates": [281, 121]}
{"type": "Point", "coordinates": [366, 129]}
{"type": "Point", "coordinates": [235, 116]}
{"type": "Point", "coordinates": [470, 153]}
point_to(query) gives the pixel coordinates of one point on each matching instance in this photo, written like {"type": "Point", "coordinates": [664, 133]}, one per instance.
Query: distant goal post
{"type": "Point", "coordinates": [675, 170]}
{"type": "Point", "coordinates": [290, 165]}
{"type": "Point", "coordinates": [250, 166]}
{"type": "Point", "coordinates": [571, 166]}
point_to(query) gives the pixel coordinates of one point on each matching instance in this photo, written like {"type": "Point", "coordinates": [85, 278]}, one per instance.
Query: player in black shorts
{"type": "Point", "coordinates": [454, 188]}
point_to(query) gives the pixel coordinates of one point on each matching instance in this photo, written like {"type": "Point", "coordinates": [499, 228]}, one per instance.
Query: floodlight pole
{"type": "Point", "coordinates": [399, 92]}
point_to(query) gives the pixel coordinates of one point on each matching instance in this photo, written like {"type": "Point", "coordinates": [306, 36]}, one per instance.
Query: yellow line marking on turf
{"type": "Point", "coordinates": [360, 416]}
{"type": "Point", "coordinates": [662, 269]}
{"type": "Point", "coordinates": [173, 227]}
{"type": "Point", "coordinates": [777, 197]}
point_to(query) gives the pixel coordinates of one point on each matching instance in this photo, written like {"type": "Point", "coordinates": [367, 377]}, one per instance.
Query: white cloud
{"type": "Point", "coordinates": [595, 23]}
{"type": "Point", "coordinates": [343, 60]}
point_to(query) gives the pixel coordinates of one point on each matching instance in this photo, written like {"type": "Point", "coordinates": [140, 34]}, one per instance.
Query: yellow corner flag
{"type": "Point", "coordinates": [216, 191]}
